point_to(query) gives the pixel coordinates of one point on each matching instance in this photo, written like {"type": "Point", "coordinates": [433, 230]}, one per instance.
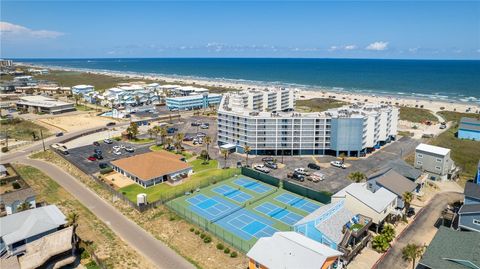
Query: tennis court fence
{"type": "Point", "coordinates": [319, 196]}
{"type": "Point", "coordinates": [211, 227]}
{"type": "Point", "coordinates": [261, 176]}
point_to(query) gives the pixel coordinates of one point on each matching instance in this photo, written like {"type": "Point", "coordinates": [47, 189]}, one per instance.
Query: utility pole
{"type": "Point", "coordinates": [43, 141]}
{"type": "Point", "coordinates": [6, 138]}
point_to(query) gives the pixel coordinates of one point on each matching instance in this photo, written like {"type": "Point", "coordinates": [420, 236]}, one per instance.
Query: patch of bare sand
{"type": "Point", "coordinates": [78, 122]}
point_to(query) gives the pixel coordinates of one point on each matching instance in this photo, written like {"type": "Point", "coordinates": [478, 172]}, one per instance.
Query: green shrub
{"type": "Point", "coordinates": [197, 232]}
{"type": "Point", "coordinates": [202, 235]}
{"type": "Point", "coordinates": [233, 254]}
{"type": "Point", "coordinates": [85, 254]}
{"type": "Point", "coordinates": [16, 185]}
{"type": "Point", "coordinates": [192, 229]}
{"type": "Point", "coordinates": [4, 149]}
{"type": "Point", "coordinates": [207, 239]}
{"type": "Point", "coordinates": [226, 251]}
{"type": "Point", "coordinates": [220, 246]}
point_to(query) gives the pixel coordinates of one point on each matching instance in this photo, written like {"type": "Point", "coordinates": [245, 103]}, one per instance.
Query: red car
{"type": "Point", "coordinates": [91, 158]}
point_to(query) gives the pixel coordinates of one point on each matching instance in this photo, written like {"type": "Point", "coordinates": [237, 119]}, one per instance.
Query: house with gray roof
{"type": "Point", "coordinates": [469, 128]}
{"type": "Point", "coordinates": [469, 213]}
{"type": "Point", "coordinates": [361, 198]}
{"type": "Point", "coordinates": [19, 229]}
{"type": "Point", "coordinates": [404, 169]}
{"type": "Point", "coordinates": [453, 250]}
{"type": "Point", "coordinates": [394, 182]}
{"type": "Point", "coordinates": [337, 227]}
{"type": "Point", "coordinates": [3, 170]}
{"type": "Point", "coordinates": [12, 201]}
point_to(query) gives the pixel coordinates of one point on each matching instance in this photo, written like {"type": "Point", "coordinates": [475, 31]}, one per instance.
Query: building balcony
{"type": "Point", "coordinates": [350, 251]}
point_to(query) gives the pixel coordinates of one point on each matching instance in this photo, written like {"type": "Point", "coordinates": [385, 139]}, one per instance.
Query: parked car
{"type": "Point", "coordinates": [196, 123]}
{"type": "Point", "coordinates": [188, 138]}
{"type": "Point", "coordinates": [267, 159]}
{"type": "Point", "coordinates": [261, 168]}
{"type": "Point", "coordinates": [300, 171]}
{"type": "Point", "coordinates": [102, 165]}
{"type": "Point", "coordinates": [91, 158]}
{"type": "Point", "coordinates": [117, 152]}
{"type": "Point", "coordinates": [97, 151]}
{"type": "Point", "coordinates": [204, 126]}
{"type": "Point", "coordinates": [296, 176]}
{"type": "Point", "coordinates": [271, 165]}
{"type": "Point", "coordinates": [108, 141]}
{"type": "Point", "coordinates": [98, 156]}
{"type": "Point", "coordinates": [200, 134]}
{"type": "Point", "coordinates": [316, 177]}
{"type": "Point", "coordinates": [338, 164]}
{"type": "Point", "coordinates": [122, 146]}
{"type": "Point", "coordinates": [111, 123]}
{"type": "Point", "coordinates": [314, 166]}
{"type": "Point", "coordinates": [59, 134]}
{"type": "Point", "coordinates": [172, 130]}
{"type": "Point", "coordinates": [410, 212]}
{"type": "Point", "coordinates": [129, 149]}
{"type": "Point", "coordinates": [239, 164]}
{"type": "Point", "coordinates": [96, 144]}
{"type": "Point", "coordinates": [443, 126]}
{"type": "Point", "coordinates": [116, 148]}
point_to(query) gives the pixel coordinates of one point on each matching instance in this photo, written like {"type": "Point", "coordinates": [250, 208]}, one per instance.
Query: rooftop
{"type": "Point", "coordinates": [433, 149]}
{"type": "Point", "coordinates": [151, 165]}
{"type": "Point", "coordinates": [453, 249]}
{"type": "Point", "coordinates": [30, 222]}
{"type": "Point", "coordinates": [470, 121]}
{"type": "Point", "coordinates": [472, 190]}
{"type": "Point", "coordinates": [16, 195]}
{"type": "Point", "coordinates": [470, 208]}
{"type": "Point", "coordinates": [378, 200]}
{"type": "Point", "coordinates": [290, 250]}
{"type": "Point", "coordinates": [38, 100]}
{"type": "Point", "coordinates": [193, 96]}
{"type": "Point", "coordinates": [399, 166]}
{"type": "Point", "coordinates": [395, 182]}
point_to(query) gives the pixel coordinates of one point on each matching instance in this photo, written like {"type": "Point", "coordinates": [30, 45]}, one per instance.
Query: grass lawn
{"type": "Point", "coordinates": [165, 191]}
{"type": "Point", "coordinates": [414, 114]}
{"type": "Point", "coordinates": [318, 104]}
{"type": "Point", "coordinates": [142, 140]}
{"type": "Point", "coordinates": [199, 165]}
{"type": "Point", "coordinates": [185, 154]}
{"type": "Point", "coordinates": [22, 129]}
{"type": "Point", "coordinates": [465, 153]}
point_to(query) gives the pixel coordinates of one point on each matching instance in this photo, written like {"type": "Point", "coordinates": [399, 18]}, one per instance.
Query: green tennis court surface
{"type": "Point", "coordinates": [240, 210]}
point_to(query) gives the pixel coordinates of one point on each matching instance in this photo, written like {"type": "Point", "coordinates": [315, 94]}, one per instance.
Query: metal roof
{"type": "Point", "coordinates": [433, 149]}
{"type": "Point", "coordinates": [472, 190]}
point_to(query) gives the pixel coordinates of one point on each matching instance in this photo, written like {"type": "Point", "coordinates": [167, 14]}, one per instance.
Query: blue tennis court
{"type": "Point", "coordinates": [232, 193]}
{"type": "Point", "coordinates": [281, 214]}
{"type": "Point", "coordinates": [247, 225]}
{"type": "Point", "coordinates": [297, 202]}
{"type": "Point", "coordinates": [252, 185]}
{"type": "Point", "coordinates": [210, 208]}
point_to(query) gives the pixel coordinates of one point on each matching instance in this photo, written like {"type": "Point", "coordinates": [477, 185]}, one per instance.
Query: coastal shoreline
{"type": "Point", "coordinates": [430, 102]}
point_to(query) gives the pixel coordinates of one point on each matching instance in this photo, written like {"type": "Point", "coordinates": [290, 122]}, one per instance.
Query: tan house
{"type": "Point", "coordinates": [149, 169]}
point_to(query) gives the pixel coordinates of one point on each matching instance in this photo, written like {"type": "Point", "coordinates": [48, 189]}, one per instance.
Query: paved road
{"type": "Point", "coordinates": [144, 243]}
{"type": "Point", "coordinates": [424, 223]}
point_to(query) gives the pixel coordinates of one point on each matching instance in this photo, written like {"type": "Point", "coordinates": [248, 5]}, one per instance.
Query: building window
{"type": "Point", "coordinates": [476, 221]}
{"type": "Point", "coordinates": [420, 155]}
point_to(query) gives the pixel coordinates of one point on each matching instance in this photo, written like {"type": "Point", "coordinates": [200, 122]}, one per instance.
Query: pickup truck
{"type": "Point", "coordinates": [338, 164]}
{"type": "Point", "coordinates": [261, 168]}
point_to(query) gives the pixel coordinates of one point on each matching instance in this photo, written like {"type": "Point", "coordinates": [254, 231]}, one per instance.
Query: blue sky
{"type": "Point", "coordinates": [409, 29]}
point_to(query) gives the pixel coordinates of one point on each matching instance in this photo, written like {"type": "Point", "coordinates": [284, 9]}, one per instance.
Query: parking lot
{"type": "Point", "coordinates": [78, 156]}
{"type": "Point", "coordinates": [335, 178]}
{"type": "Point", "coordinates": [185, 126]}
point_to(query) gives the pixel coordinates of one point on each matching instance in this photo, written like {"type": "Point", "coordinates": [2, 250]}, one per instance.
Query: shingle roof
{"type": "Point", "coordinates": [152, 164]}
{"type": "Point", "coordinates": [396, 183]}
{"type": "Point", "coordinates": [472, 190]}
{"type": "Point", "coordinates": [472, 208]}
{"type": "Point", "coordinates": [453, 250]}
{"type": "Point", "coordinates": [399, 166]}
{"type": "Point", "coordinates": [25, 224]}
{"type": "Point", "coordinates": [290, 250]}
{"type": "Point", "coordinates": [378, 200]}
{"type": "Point", "coordinates": [17, 195]}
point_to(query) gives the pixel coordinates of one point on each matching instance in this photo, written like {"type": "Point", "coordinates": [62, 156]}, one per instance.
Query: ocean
{"type": "Point", "coordinates": [432, 79]}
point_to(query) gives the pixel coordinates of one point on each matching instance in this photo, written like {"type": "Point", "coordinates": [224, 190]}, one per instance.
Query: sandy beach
{"type": "Point", "coordinates": [348, 96]}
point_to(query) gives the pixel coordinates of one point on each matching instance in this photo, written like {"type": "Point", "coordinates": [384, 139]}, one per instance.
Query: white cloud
{"type": "Point", "coordinates": [14, 30]}
{"type": "Point", "coordinates": [378, 46]}
{"type": "Point", "coordinates": [350, 47]}
{"type": "Point", "coordinates": [346, 47]}
{"type": "Point", "coordinates": [413, 50]}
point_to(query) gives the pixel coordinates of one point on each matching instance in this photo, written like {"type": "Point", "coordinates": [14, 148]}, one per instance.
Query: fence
{"type": "Point", "coordinates": [322, 197]}
{"type": "Point", "coordinates": [260, 176]}
{"type": "Point", "coordinates": [226, 236]}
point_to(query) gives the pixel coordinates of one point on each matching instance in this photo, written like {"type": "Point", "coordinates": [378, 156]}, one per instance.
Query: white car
{"type": "Point", "coordinates": [338, 164]}
{"type": "Point", "coordinates": [122, 146]}
{"type": "Point", "coordinates": [261, 168]}
{"type": "Point", "coordinates": [117, 152]}
{"type": "Point", "coordinates": [108, 141]}
{"type": "Point", "coordinates": [300, 171]}
{"type": "Point", "coordinates": [116, 148]}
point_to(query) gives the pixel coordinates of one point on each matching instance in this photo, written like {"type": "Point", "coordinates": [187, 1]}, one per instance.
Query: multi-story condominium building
{"type": "Point", "coordinates": [265, 121]}
{"type": "Point", "coordinates": [191, 102]}
{"type": "Point", "coordinates": [130, 95]}
{"type": "Point", "coordinates": [86, 91]}
{"type": "Point", "coordinates": [435, 161]}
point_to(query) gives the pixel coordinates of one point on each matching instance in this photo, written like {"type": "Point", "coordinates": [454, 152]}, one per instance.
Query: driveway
{"type": "Point", "coordinates": [420, 232]}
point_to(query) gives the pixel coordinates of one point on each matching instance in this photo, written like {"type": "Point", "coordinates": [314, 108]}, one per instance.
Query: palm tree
{"type": "Point", "coordinates": [247, 150]}
{"type": "Point", "coordinates": [151, 132]}
{"type": "Point", "coordinates": [412, 252]}
{"type": "Point", "coordinates": [168, 141]}
{"type": "Point", "coordinates": [207, 140]}
{"type": "Point", "coordinates": [407, 199]}
{"type": "Point", "coordinates": [225, 154]}
{"type": "Point", "coordinates": [357, 176]}
{"type": "Point", "coordinates": [77, 97]}
{"type": "Point", "coordinates": [72, 220]}
{"type": "Point", "coordinates": [132, 130]}
{"type": "Point", "coordinates": [163, 133]}
{"type": "Point", "coordinates": [380, 243]}
{"type": "Point", "coordinates": [178, 141]}
{"type": "Point", "coordinates": [389, 232]}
